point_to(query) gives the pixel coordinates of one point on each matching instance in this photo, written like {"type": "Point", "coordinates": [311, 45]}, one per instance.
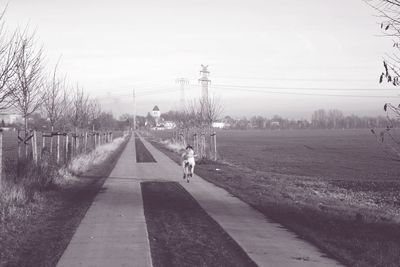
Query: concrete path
{"type": "Point", "coordinates": [113, 232]}
{"type": "Point", "coordinates": [267, 243]}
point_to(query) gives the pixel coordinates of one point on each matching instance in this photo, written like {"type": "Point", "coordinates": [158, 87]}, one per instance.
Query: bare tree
{"type": "Point", "coordinates": [94, 112]}
{"type": "Point", "coordinates": [388, 12]}
{"type": "Point", "coordinates": [192, 115]}
{"type": "Point", "coordinates": [211, 109]}
{"type": "Point", "coordinates": [79, 112]}
{"type": "Point", "coordinates": [65, 110]}
{"type": "Point", "coordinates": [27, 89]}
{"type": "Point", "coordinates": [53, 98]}
{"type": "Point", "coordinates": [8, 55]}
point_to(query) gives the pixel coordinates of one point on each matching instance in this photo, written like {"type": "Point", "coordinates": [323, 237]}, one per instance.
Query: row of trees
{"type": "Point", "coordinates": [196, 113]}
{"type": "Point", "coordinates": [26, 86]}
{"type": "Point", "coordinates": [321, 119]}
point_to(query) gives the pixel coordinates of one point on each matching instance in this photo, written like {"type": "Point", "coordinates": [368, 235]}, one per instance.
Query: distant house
{"type": "Point", "coordinates": [275, 124]}
{"type": "Point", "coordinates": [218, 124]}
{"type": "Point", "coordinates": [169, 125]}
{"type": "Point", "coordinates": [11, 118]}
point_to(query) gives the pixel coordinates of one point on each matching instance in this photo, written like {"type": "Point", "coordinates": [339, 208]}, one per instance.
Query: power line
{"type": "Point", "coordinates": [140, 93]}
{"type": "Point", "coordinates": [303, 94]}
{"type": "Point", "coordinates": [267, 90]}
{"type": "Point", "coordinates": [296, 79]}
{"type": "Point", "coordinates": [303, 88]}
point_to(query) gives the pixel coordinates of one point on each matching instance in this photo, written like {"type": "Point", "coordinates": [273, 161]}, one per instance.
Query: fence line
{"type": "Point", "coordinates": [197, 137]}
{"type": "Point", "coordinates": [41, 146]}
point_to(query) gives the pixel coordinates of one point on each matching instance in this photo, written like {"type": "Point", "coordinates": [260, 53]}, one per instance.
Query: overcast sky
{"type": "Point", "coordinates": [111, 47]}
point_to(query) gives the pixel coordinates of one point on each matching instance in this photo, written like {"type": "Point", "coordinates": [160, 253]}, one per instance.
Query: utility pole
{"type": "Point", "coordinates": [134, 110]}
{"type": "Point", "coordinates": [182, 82]}
{"type": "Point", "coordinates": [204, 81]}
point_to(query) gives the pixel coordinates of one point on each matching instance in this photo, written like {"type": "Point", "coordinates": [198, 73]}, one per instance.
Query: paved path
{"type": "Point", "coordinates": [113, 232]}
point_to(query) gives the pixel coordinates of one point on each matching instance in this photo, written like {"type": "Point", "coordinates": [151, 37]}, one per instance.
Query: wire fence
{"type": "Point", "coordinates": [18, 148]}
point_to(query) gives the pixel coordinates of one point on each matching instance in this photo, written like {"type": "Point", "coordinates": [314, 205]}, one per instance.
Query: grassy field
{"type": "Point", "coordinates": [322, 154]}
{"type": "Point", "coordinates": [337, 189]}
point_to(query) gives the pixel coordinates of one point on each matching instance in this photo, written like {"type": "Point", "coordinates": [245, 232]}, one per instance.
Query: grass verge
{"type": "Point", "coordinates": [181, 233]}
{"type": "Point", "coordinates": [360, 240]}
{"type": "Point", "coordinates": [39, 229]}
{"type": "Point", "coordinates": [142, 154]}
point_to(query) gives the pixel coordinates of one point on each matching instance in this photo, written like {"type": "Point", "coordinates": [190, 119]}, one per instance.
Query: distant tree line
{"type": "Point", "coordinates": [320, 119]}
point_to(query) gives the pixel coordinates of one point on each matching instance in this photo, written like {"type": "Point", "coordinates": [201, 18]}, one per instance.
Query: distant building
{"type": "Point", "coordinates": [156, 114]}
{"type": "Point", "coordinates": [11, 118]}
{"type": "Point", "coordinates": [169, 125]}
{"type": "Point", "coordinates": [275, 124]}
{"type": "Point", "coordinates": [218, 124]}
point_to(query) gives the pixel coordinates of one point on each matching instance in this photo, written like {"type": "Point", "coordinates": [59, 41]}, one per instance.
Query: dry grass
{"type": "Point", "coordinates": [173, 145]}
{"type": "Point", "coordinates": [17, 191]}
{"type": "Point", "coordinates": [85, 162]}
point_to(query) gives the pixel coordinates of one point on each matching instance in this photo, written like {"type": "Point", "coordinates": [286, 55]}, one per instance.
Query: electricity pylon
{"type": "Point", "coordinates": [182, 82]}
{"type": "Point", "coordinates": [204, 81]}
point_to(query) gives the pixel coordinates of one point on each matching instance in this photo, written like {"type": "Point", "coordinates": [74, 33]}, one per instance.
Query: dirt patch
{"type": "Point", "coordinates": [181, 233]}
{"type": "Point", "coordinates": [343, 234]}
{"type": "Point", "coordinates": [40, 237]}
{"type": "Point", "coordinates": [142, 154]}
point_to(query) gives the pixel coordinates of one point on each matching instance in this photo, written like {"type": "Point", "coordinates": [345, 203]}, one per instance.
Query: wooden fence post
{"type": "Point", "coordinates": [85, 142]}
{"type": "Point", "coordinates": [73, 150]}
{"type": "Point", "coordinates": [34, 148]}
{"type": "Point", "coordinates": [215, 146]}
{"type": "Point", "coordinates": [204, 145]}
{"type": "Point", "coordinates": [211, 145]}
{"type": "Point", "coordinates": [1, 157]}
{"type": "Point", "coordinates": [43, 144]}
{"type": "Point", "coordinates": [195, 142]}
{"type": "Point", "coordinates": [66, 148]}
{"type": "Point", "coordinates": [26, 145]}
{"type": "Point", "coordinates": [58, 148]}
{"type": "Point", "coordinates": [43, 141]}
{"type": "Point", "coordinates": [202, 137]}
{"type": "Point", "coordinates": [51, 144]}
{"type": "Point", "coordinates": [19, 146]}
{"type": "Point", "coordinates": [77, 144]}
